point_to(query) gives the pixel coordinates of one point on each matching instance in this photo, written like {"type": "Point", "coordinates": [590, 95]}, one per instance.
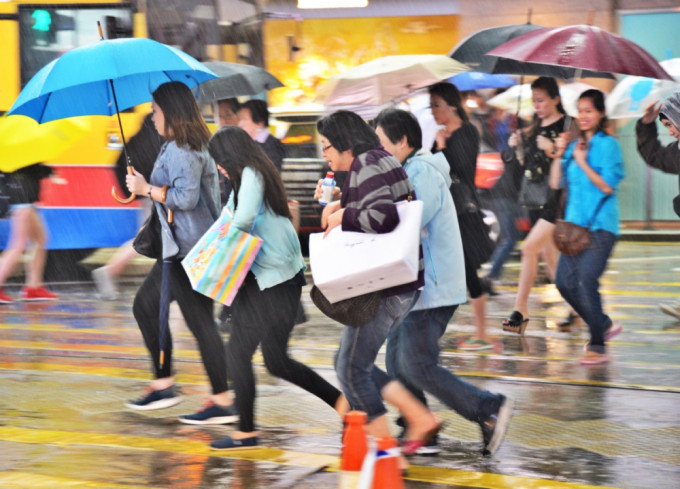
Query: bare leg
{"type": "Point", "coordinates": [123, 256]}
{"type": "Point", "coordinates": [479, 309]}
{"type": "Point", "coordinates": [420, 420]}
{"type": "Point", "coordinates": [17, 242]}
{"type": "Point", "coordinates": [534, 243]}
{"type": "Point", "coordinates": [36, 233]}
{"type": "Point", "coordinates": [550, 254]}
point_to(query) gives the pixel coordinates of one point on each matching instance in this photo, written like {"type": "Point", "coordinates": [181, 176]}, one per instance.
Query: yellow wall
{"type": "Point", "coordinates": [330, 46]}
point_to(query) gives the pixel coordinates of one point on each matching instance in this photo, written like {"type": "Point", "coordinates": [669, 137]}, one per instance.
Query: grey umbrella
{"type": "Point", "coordinates": [235, 80]}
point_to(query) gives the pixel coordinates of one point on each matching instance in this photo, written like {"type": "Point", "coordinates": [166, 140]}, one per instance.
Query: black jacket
{"type": "Point", "coordinates": [665, 158]}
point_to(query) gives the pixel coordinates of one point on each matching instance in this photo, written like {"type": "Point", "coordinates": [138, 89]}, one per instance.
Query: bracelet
{"type": "Point", "coordinates": [149, 192]}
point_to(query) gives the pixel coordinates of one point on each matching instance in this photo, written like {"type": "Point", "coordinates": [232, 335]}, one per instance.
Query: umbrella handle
{"type": "Point", "coordinates": [115, 195]}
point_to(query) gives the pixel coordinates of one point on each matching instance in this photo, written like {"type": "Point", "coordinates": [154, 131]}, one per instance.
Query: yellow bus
{"type": "Point", "coordinates": [77, 206]}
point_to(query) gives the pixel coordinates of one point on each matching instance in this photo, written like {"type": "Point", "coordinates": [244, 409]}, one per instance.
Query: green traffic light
{"type": "Point", "coordinates": [43, 20]}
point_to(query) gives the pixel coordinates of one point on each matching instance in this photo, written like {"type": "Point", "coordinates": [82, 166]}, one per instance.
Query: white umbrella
{"type": "Point", "coordinates": [387, 79]}
{"type": "Point", "coordinates": [632, 95]}
{"type": "Point", "coordinates": [521, 94]}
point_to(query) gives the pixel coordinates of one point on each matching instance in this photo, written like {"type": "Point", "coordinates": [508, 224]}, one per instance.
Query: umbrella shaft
{"type": "Point", "coordinates": [120, 124]}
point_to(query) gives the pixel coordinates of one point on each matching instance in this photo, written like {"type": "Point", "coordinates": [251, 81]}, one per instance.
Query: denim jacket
{"type": "Point", "coordinates": [193, 195]}
{"type": "Point", "coordinates": [441, 240]}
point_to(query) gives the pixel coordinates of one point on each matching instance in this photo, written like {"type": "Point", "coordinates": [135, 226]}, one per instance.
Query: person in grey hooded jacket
{"type": "Point", "coordinates": [665, 158]}
{"type": "Point", "coordinates": [413, 347]}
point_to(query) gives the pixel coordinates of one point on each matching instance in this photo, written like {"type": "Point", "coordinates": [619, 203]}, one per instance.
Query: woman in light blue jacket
{"type": "Point", "coordinates": [265, 307]}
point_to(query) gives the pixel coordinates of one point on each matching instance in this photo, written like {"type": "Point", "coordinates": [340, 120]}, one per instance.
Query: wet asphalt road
{"type": "Point", "coordinates": [66, 368]}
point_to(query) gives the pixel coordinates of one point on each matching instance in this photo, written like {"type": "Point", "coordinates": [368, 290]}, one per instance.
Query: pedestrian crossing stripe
{"type": "Point", "coordinates": [434, 475]}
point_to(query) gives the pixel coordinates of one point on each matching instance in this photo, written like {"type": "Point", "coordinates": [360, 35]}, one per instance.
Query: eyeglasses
{"type": "Point", "coordinates": [326, 148]}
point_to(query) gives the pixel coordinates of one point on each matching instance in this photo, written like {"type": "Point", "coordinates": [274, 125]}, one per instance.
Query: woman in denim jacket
{"type": "Point", "coordinates": [183, 180]}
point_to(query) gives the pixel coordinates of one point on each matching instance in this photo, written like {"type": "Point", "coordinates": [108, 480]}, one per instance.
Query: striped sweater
{"type": "Point", "coordinates": [374, 183]}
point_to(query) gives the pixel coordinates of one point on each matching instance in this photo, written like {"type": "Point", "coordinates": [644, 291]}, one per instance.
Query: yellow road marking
{"type": "Point", "coordinates": [26, 480]}
{"type": "Point", "coordinates": [434, 475]}
{"type": "Point", "coordinates": [200, 379]}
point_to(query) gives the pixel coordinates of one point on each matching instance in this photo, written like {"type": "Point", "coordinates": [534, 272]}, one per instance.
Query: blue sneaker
{"type": "Point", "coordinates": [229, 443]}
{"type": "Point", "coordinates": [212, 414]}
{"type": "Point", "coordinates": [155, 399]}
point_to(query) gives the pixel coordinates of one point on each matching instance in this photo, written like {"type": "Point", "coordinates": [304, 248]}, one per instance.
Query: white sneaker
{"type": "Point", "coordinates": [671, 309]}
{"type": "Point", "coordinates": [105, 285]}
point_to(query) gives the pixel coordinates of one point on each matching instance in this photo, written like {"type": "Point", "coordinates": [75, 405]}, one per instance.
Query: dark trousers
{"type": "Point", "coordinates": [197, 310]}
{"type": "Point", "coordinates": [266, 318]}
{"type": "Point", "coordinates": [578, 280]}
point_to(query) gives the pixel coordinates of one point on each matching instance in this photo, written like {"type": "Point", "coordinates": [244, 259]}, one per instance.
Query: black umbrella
{"type": "Point", "coordinates": [472, 51]}
{"type": "Point", "coordinates": [164, 306]}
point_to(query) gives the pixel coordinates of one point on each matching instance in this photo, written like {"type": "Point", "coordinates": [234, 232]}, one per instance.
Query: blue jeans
{"type": "Point", "coordinates": [359, 348]}
{"type": "Point", "coordinates": [577, 279]}
{"type": "Point", "coordinates": [413, 359]}
{"type": "Point", "coordinates": [507, 211]}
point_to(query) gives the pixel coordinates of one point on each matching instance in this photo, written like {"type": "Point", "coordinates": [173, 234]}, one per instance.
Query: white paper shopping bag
{"type": "Point", "coordinates": [348, 264]}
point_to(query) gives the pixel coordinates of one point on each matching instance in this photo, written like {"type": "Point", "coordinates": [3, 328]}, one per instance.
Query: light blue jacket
{"type": "Point", "coordinates": [193, 195]}
{"type": "Point", "coordinates": [280, 257]}
{"type": "Point", "coordinates": [583, 197]}
{"type": "Point", "coordinates": [441, 241]}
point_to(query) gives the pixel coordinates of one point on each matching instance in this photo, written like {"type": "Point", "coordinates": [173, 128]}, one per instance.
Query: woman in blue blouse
{"type": "Point", "coordinates": [592, 167]}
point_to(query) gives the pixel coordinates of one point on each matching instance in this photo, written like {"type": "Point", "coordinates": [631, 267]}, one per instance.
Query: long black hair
{"type": "Point", "coordinates": [233, 149]}
{"type": "Point", "coordinates": [451, 95]}
{"type": "Point", "coordinates": [549, 86]}
{"type": "Point", "coordinates": [346, 130]}
{"type": "Point", "coordinates": [597, 98]}
{"type": "Point", "coordinates": [183, 121]}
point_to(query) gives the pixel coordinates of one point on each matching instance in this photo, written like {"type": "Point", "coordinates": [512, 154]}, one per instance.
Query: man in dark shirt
{"type": "Point", "coordinates": [665, 158]}
{"type": "Point", "coordinates": [253, 117]}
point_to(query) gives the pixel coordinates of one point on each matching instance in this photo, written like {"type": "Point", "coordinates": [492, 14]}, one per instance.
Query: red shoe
{"type": "Point", "coordinates": [4, 298]}
{"type": "Point", "coordinates": [37, 294]}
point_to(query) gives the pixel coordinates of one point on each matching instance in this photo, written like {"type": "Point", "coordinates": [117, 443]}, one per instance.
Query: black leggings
{"type": "Point", "coordinates": [267, 317]}
{"type": "Point", "coordinates": [197, 310]}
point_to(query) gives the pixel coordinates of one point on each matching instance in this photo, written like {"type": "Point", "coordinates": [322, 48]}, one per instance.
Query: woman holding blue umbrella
{"type": "Point", "coordinates": [183, 181]}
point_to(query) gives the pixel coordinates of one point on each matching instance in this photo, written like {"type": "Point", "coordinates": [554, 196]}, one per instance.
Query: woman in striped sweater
{"type": "Point", "coordinates": [374, 183]}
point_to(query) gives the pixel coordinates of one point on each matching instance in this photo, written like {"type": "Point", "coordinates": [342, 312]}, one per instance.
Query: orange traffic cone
{"type": "Point", "coordinates": [354, 442]}
{"type": "Point", "coordinates": [387, 474]}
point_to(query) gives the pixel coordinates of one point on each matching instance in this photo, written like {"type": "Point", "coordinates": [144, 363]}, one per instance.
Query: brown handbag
{"type": "Point", "coordinates": [571, 239]}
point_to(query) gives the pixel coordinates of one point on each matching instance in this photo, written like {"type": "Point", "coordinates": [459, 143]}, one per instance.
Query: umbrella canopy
{"type": "Point", "coordinates": [583, 47]}
{"type": "Point", "coordinates": [387, 79]}
{"type": "Point", "coordinates": [632, 95]}
{"type": "Point", "coordinates": [235, 80]}
{"type": "Point", "coordinates": [24, 142]}
{"type": "Point", "coordinates": [520, 96]}
{"type": "Point", "coordinates": [477, 80]}
{"type": "Point", "coordinates": [80, 81]}
{"type": "Point", "coordinates": [473, 52]}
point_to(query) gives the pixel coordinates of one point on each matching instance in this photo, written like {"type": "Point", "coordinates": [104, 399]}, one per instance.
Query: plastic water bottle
{"type": "Point", "coordinates": [327, 186]}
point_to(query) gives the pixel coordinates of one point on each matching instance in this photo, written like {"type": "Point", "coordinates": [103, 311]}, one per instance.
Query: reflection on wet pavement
{"type": "Point", "coordinates": [67, 367]}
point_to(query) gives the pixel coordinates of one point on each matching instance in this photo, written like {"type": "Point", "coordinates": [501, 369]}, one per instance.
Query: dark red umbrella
{"type": "Point", "coordinates": [584, 47]}
{"type": "Point", "coordinates": [472, 51]}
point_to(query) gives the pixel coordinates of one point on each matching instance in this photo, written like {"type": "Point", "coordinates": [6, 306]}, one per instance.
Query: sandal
{"type": "Point", "coordinates": [569, 323]}
{"type": "Point", "coordinates": [411, 447]}
{"type": "Point", "coordinates": [516, 323]}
